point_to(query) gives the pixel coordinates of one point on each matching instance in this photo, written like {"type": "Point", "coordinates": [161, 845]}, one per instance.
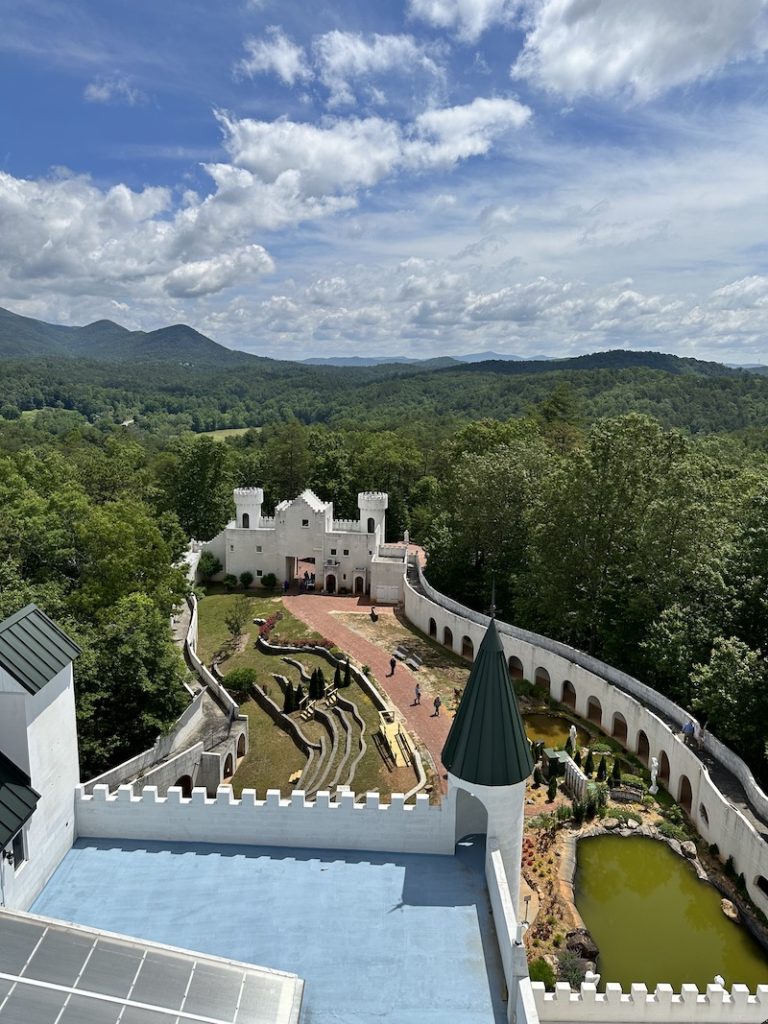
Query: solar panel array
{"type": "Point", "coordinates": [54, 974]}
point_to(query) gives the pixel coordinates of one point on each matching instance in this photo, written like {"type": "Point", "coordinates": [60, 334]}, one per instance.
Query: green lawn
{"type": "Point", "coordinates": [220, 435]}
{"type": "Point", "coordinates": [272, 755]}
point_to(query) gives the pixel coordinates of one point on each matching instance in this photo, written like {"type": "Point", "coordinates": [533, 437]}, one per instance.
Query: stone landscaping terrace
{"type": "Point", "coordinates": [391, 938]}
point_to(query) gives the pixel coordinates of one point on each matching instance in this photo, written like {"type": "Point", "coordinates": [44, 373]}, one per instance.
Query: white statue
{"type": "Point", "coordinates": [654, 772]}
{"type": "Point", "coordinates": [572, 735]}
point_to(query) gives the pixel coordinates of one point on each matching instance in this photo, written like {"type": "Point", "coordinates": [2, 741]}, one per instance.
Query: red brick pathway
{"type": "Point", "coordinates": [316, 610]}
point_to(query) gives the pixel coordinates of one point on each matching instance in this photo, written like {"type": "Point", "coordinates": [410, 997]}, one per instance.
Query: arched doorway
{"type": "Point", "coordinates": [432, 627]}
{"type": "Point", "coordinates": [471, 815]}
{"type": "Point", "coordinates": [569, 694]}
{"type": "Point", "coordinates": [241, 745]}
{"type": "Point", "coordinates": [643, 747]}
{"type": "Point", "coordinates": [467, 648]}
{"type": "Point", "coordinates": [447, 637]}
{"type": "Point", "coordinates": [185, 784]}
{"type": "Point", "coordinates": [330, 584]}
{"type": "Point", "coordinates": [371, 525]}
{"type": "Point", "coordinates": [229, 768]}
{"type": "Point", "coordinates": [246, 521]}
{"type": "Point", "coordinates": [685, 795]}
{"type": "Point", "coordinates": [541, 679]}
{"type": "Point", "coordinates": [663, 776]}
{"type": "Point", "coordinates": [515, 667]}
{"type": "Point", "coordinates": [359, 585]}
{"type": "Point", "coordinates": [594, 711]}
{"type": "Point", "coordinates": [619, 730]}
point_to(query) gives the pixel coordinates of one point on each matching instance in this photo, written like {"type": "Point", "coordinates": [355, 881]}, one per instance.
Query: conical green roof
{"type": "Point", "coordinates": [487, 744]}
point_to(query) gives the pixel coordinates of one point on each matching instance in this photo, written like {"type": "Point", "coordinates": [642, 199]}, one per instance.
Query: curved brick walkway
{"type": "Point", "coordinates": [317, 611]}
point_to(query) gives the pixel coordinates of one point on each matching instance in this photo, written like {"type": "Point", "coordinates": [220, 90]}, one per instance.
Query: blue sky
{"type": "Point", "coordinates": [415, 177]}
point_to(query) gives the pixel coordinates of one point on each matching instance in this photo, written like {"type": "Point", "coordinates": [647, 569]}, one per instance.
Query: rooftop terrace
{"type": "Point", "coordinates": [395, 938]}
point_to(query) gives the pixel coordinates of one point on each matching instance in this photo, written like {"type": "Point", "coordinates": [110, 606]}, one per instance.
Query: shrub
{"type": "Point", "coordinates": [616, 772]}
{"type": "Point", "coordinates": [577, 759]}
{"type": "Point", "coordinates": [538, 777]}
{"type": "Point", "coordinates": [670, 831]}
{"type": "Point", "coordinates": [729, 868]}
{"type": "Point", "coordinates": [563, 812]}
{"type": "Point", "coordinates": [589, 767]}
{"type": "Point", "coordinates": [552, 789]}
{"type": "Point", "coordinates": [246, 579]}
{"type": "Point", "coordinates": [299, 699]}
{"type": "Point", "coordinates": [590, 808]}
{"type": "Point", "coordinates": [208, 565]}
{"type": "Point", "coordinates": [288, 700]}
{"type": "Point", "coordinates": [714, 850]}
{"type": "Point", "coordinates": [239, 680]}
{"type": "Point", "coordinates": [523, 687]}
{"type": "Point", "coordinates": [337, 677]}
{"type": "Point", "coordinates": [569, 746]}
{"type": "Point", "coordinates": [366, 670]}
{"type": "Point", "coordinates": [230, 581]}
{"type": "Point", "coordinates": [269, 580]}
{"type": "Point", "coordinates": [577, 811]}
{"type": "Point", "coordinates": [570, 967]}
{"type": "Point", "coordinates": [347, 674]}
{"type": "Point", "coordinates": [602, 770]}
{"type": "Point", "coordinates": [541, 970]}
{"type": "Point", "coordinates": [237, 616]}
{"type": "Point", "coordinates": [633, 780]}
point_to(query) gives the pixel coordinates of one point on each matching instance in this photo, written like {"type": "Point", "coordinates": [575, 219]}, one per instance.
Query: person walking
{"type": "Point", "coordinates": [417, 694]}
{"type": "Point", "coordinates": [438, 704]}
{"type": "Point", "coordinates": [392, 665]}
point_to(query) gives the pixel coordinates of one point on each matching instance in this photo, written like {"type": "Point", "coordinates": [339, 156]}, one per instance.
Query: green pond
{"type": "Point", "coordinates": [654, 921]}
{"type": "Point", "coordinates": [552, 729]}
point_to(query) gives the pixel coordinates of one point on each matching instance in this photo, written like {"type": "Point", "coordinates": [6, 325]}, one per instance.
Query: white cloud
{"type": "Point", "coordinates": [204, 277]}
{"type": "Point", "coordinates": [469, 18]}
{"type": "Point", "coordinates": [113, 90]}
{"type": "Point", "coordinates": [456, 133]}
{"type": "Point", "coordinates": [640, 49]}
{"type": "Point", "coordinates": [342, 58]}
{"type": "Point", "coordinates": [276, 54]}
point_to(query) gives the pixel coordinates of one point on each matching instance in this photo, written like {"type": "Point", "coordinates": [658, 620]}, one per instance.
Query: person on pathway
{"type": "Point", "coordinates": [438, 703]}
{"type": "Point", "coordinates": [392, 665]}
{"type": "Point", "coordinates": [417, 694]}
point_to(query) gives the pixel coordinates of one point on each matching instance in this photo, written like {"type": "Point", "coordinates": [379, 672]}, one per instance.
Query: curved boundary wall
{"type": "Point", "coordinates": [621, 706]}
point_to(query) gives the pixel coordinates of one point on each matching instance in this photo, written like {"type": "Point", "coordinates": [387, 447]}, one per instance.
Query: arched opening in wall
{"type": "Point", "coordinates": [664, 770]}
{"type": "Point", "coordinates": [359, 585]}
{"type": "Point", "coordinates": [447, 637]}
{"type": "Point", "coordinates": [241, 745]}
{"type": "Point", "coordinates": [685, 794]}
{"type": "Point", "coordinates": [246, 521]}
{"type": "Point", "coordinates": [594, 711]}
{"type": "Point", "coordinates": [643, 747]}
{"type": "Point", "coordinates": [703, 814]}
{"type": "Point", "coordinates": [229, 768]}
{"type": "Point", "coordinates": [762, 884]}
{"type": "Point", "coordinates": [467, 648]}
{"type": "Point", "coordinates": [541, 679]}
{"type": "Point", "coordinates": [432, 627]}
{"type": "Point", "coordinates": [471, 815]}
{"type": "Point", "coordinates": [371, 525]}
{"type": "Point", "coordinates": [569, 694]}
{"type": "Point", "coordinates": [515, 667]}
{"type": "Point", "coordinates": [619, 731]}
{"type": "Point", "coordinates": [185, 782]}
{"type": "Point", "coordinates": [330, 584]}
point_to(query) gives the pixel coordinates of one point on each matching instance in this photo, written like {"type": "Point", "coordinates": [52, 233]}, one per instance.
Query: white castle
{"type": "Point", "coordinates": [348, 555]}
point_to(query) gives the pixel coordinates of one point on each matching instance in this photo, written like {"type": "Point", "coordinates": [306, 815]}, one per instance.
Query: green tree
{"type": "Point", "coordinates": [237, 616]}
{"type": "Point", "coordinates": [602, 770]}
{"type": "Point", "coordinates": [289, 703]}
{"type": "Point", "coordinates": [246, 579]}
{"type": "Point", "coordinates": [198, 486]}
{"type": "Point", "coordinates": [209, 565]}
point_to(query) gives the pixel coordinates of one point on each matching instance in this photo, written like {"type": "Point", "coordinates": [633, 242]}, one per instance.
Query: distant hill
{"type": "Point", "coordinates": [470, 357]}
{"type": "Point", "coordinates": [616, 359]}
{"type": "Point", "coordinates": [24, 337]}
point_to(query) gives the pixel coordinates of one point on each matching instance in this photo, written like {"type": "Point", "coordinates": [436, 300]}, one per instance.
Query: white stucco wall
{"type": "Point", "coordinates": [52, 764]}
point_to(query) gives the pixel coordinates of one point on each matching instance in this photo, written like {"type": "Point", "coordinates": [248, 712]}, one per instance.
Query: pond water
{"type": "Point", "coordinates": [654, 921]}
{"type": "Point", "coordinates": [552, 729]}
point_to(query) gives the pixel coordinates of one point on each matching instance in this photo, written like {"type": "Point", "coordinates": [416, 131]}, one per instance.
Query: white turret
{"type": "Point", "coordinates": [373, 510]}
{"type": "Point", "coordinates": [248, 502]}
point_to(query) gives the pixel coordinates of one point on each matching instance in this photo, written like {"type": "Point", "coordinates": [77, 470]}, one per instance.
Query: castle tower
{"type": "Point", "coordinates": [248, 502]}
{"type": "Point", "coordinates": [373, 508]}
{"type": "Point", "coordinates": [488, 755]}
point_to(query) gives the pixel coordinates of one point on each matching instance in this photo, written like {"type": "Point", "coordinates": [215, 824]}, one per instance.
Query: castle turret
{"type": "Point", "coordinates": [488, 754]}
{"type": "Point", "coordinates": [248, 502]}
{"type": "Point", "coordinates": [373, 509]}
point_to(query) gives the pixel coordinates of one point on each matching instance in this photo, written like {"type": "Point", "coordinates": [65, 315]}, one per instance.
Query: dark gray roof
{"type": "Point", "coordinates": [33, 649]}
{"type": "Point", "coordinates": [487, 744]}
{"type": "Point", "coordinates": [51, 971]}
{"type": "Point", "coordinates": [17, 800]}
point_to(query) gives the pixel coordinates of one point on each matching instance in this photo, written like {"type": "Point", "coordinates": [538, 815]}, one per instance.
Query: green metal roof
{"type": "Point", "coordinates": [32, 649]}
{"type": "Point", "coordinates": [17, 800]}
{"type": "Point", "coordinates": [487, 744]}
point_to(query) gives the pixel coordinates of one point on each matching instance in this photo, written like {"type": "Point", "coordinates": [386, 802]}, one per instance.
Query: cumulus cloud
{"type": "Point", "coordinates": [343, 58]}
{"type": "Point", "coordinates": [113, 90]}
{"type": "Point", "coordinates": [469, 18]}
{"type": "Point", "coordinates": [577, 47]}
{"type": "Point", "coordinates": [277, 54]}
{"type": "Point", "coordinates": [456, 133]}
{"type": "Point", "coordinates": [204, 277]}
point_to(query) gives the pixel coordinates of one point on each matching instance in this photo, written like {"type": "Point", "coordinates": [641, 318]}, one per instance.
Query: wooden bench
{"type": "Point", "coordinates": [414, 662]}
{"type": "Point", "coordinates": [401, 653]}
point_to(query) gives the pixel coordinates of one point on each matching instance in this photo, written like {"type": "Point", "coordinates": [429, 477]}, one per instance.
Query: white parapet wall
{"type": "Point", "coordinates": [341, 824]}
{"type": "Point", "coordinates": [662, 1006]}
{"type": "Point", "coordinates": [626, 709]}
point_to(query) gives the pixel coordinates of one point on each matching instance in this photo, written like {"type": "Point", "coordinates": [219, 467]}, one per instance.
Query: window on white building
{"type": "Point", "coordinates": [258, 547]}
{"type": "Point", "coordinates": [305, 522]}
{"type": "Point", "coordinates": [333, 551]}
{"type": "Point", "coordinates": [346, 551]}
{"type": "Point", "coordinates": [231, 547]}
{"type": "Point", "coordinates": [259, 572]}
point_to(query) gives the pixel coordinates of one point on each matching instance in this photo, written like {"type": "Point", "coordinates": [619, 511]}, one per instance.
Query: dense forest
{"type": "Point", "coordinates": [623, 509]}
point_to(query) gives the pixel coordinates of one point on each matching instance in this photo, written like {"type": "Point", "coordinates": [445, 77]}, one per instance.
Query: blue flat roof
{"type": "Point", "coordinates": [391, 938]}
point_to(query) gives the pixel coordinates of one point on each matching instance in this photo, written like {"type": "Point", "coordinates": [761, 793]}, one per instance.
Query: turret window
{"type": "Point", "coordinates": [246, 521]}
{"type": "Point", "coordinates": [305, 522]}
{"type": "Point", "coordinates": [371, 525]}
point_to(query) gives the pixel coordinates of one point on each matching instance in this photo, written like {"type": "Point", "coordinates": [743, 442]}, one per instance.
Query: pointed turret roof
{"type": "Point", "coordinates": [487, 744]}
